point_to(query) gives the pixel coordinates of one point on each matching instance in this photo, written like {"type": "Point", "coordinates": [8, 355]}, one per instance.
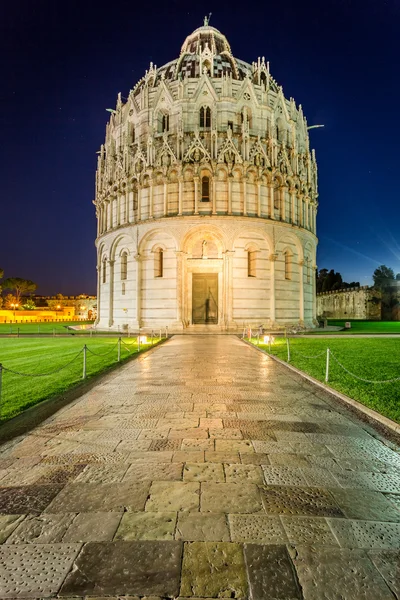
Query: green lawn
{"type": "Point", "coordinates": [44, 355]}
{"type": "Point", "coordinates": [362, 327]}
{"type": "Point", "coordinates": [58, 327]}
{"type": "Point", "coordinates": [369, 358]}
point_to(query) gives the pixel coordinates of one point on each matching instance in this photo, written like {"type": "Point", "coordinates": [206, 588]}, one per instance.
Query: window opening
{"type": "Point", "coordinates": [124, 266]}
{"type": "Point", "coordinates": [159, 263]}
{"type": "Point", "coordinates": [205, 189]}
{"type": "Point", "coordinates": [251, 263]}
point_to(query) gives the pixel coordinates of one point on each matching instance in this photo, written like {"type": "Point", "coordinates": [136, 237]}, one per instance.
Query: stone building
{"type": "Point", "coordinates": [206, 198]}
{"type": "Point", "coordinates": [351, 303]}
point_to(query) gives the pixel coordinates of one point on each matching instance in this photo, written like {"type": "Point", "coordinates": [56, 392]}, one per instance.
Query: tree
{"type": "Point", "coordinates": [398, 277]}
{"type": "Point", "coordinates": [383, 278]}
{"type": "Point", "coordinates": [29, 304]}
{"type": "Point", "coordinates": [19, 286]}
{"type": "Point", "coordinates": [10, 300]}
{"type": "Point", "coordinates": [58, 301]}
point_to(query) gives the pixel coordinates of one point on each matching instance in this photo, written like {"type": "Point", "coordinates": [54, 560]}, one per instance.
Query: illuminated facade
{"type": "Point", "coordinates": [206, 198]}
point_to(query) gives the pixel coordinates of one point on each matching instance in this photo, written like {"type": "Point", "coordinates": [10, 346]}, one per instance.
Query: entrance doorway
{"type": "Point", "coordinates": [205, 298]}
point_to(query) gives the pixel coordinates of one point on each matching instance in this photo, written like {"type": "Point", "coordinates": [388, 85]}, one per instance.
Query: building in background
{"type": "Point", "coordinates": [206, 198]}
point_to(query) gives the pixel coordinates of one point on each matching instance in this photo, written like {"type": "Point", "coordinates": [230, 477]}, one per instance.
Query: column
{"type": "Point", "coordinates": [179, 285]}
{"type": "Point", "coordinates": [111, 295]}
{"type": "Point", "coordinates": [118, 210]}
{"type": "Point", "coordinates": [307, 214]}
{"type": "Point", "coordinates": [230, 194]}
{"type": "Point", "coordinates": [151, 198]}
{"type": "Point", "coordinates": [258, 198]}
{"type": "Point", "coordinates": [138, 289]}
{"type": "Point", "coordinates": [214, 196]}
{"type": "Point", "coordinates": [180, 184]}
{"type": "Point", "coordinates": [271, 214]}
{"type": "Point", "coordinates": [126, 198]}
{"type": "Point", "coordinates": [301, 291]}
{"type": "Point", "coordinates": [139, 209]}
{"type": "Point", "coordinates": [283, 203]}
{"type": "Point", "coordinates": [165, 199]}
{"type": "Point", "coordinates": [244, 196]}
{"type": "Point", "coordinates": [293, 206]}
{"type": "Point", "coordinates": [272, 259]}
{"type": "Point", "coordinates": [130, 206]}
{"type": "Point", "coordinates": [300, 201]}
{"type": "Point", "coordinates": [196, 195]}
{"type": "Point", "coordinates": [98, 269]}
{"type": "Point", "coordinates": [229, 307]}
{"type": "Point", "coordinates": [314, 295]}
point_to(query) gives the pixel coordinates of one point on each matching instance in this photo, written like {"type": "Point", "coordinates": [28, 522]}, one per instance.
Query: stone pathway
{"type": "Point", "coordinates": [201, 470]}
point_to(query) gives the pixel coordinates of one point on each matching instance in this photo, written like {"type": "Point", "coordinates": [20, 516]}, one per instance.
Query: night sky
{"type": "Point", "coordinates": [63, 63]}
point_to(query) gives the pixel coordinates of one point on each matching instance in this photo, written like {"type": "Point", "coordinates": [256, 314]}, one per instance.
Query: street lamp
{"type": "Point", "coordinates": [14, 306]}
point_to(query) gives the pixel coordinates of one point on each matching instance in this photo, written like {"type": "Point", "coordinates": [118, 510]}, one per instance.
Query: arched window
{"type": "Point", "coordinates": [135, 195]}
{"type": "Point", "coordinates": [205, 117]}
{"type": "Point", "coordinates": [288, 265]}
{"type": "Point", "coordinates": [205, 189]}
{"type": "Point", "coordinates": [159, 262]}
{"type": "Point", "coordinates": [104, 270]}
{"type": "Point", "coordinates": [165, 123]}
{"type": "Point", "coordinates": [133, 133]}
{"type": "Point", "coordinates": [251, 263]}
{"type": "Point", "coordinates": [124, 266]}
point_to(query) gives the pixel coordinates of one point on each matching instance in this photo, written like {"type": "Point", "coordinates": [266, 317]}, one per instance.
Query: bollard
{"type": "Point", "coordinates": [84, 362]}
{"type": "Point", "coordinates": [152, 334]}
{"type": "Point", "coordinates": [138, 343]}
{"type": "Point", "coordinates": [327, 365]}
{"type": "Point", "coordinates": [160, 335]}
{"type": "Point", "coordinates": [119, 349]}
{"type": "Point", "coordinates": [288, 349]}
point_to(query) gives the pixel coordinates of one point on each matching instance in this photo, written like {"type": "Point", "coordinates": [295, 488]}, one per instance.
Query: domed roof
{"type": "Point", "coordinates": [205, 48]}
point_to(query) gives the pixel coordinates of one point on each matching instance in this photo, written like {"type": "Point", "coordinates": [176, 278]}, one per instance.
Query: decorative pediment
{"type": "Point", "coordinates": [228, 152]}
{"type": "Point", "coordinates": [280, 107]}
{"type": "Point", "coordinates": [163, 98]}
{"type": "Point", "coordinates": [139, 160]}
{"type": "Point", "coordinates": [258, 154]}
{"type": "Point", "coordinates": [284, 165]}
{"type": "Point", "coordinates": [197, 152]}
{"type": "Point", "coordinates": [246, 93]}
{"type": "Point", "coordinates": [205, 91]}
{"type": "Point", "coordinates": [165, 155]}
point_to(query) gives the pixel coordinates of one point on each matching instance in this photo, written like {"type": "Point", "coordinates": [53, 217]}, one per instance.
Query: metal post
{"type": "Point", "coordinates": [152, 334]}
{"type": "Point", "coordinates": [327, 365]}
{"type": "Point", "coordinates": [258, 338]}
{"type": "Point", "coordinates": [138, 343]}
{"type": "Point", "coordinates": [288, 349]}
{"type": "Point", "coordinates": [119, 349]}
{"type": "Point", "coordinates": [160, 334]}
{"type": "Point", "coordinates": [84, 362]}
{"type": "Point", "coordinates": [129, 333]}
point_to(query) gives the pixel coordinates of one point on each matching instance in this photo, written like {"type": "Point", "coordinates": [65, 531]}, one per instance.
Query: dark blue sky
{"type": "Point", "coordinates": [63, 63]}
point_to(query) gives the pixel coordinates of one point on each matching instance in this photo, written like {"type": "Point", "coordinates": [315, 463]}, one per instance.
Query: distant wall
{"type": "Point", "coordinates": [351, 303]}
{"type": "Point", "coordinates": [67, 313]}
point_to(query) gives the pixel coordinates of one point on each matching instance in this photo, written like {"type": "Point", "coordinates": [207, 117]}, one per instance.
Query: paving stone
{"type": "Point", "coordinates": [283, 476]}
{"type": "Point", "coordinates": [388, 564]}
{"type": "Point", "coordinates": [367, 505]}
{"type": "Point", "coordinates": [25, 476]}
{"type": "Point", "coordinates": [150, 456]}
{"type": "Point", "coordinates": [61, 475]}
{"type": "Point", "coordinates": [288, 500]}
{"type": "Point", "coordinates": [201, 527]}
{"type": "Point", "coordinates": [41, 529]}
{"type": "Point", "coordinates": [93, 527]}
{"type": "Point", "coordinates": [225, 434]}
{"type": "Point", "coordinates": [27, 499]}
{"type": "Point", "coordinates": [243, 474]}
{"type": "Point", "coordinates": [355, 481]}
{"type": "Point", "coordinates": [233, 446]}
{"type": "Point", "coordinates": [146, 526]}
{"type": "Point", "coordinates": [394, 499]}
{"type": "Point", "coordinates": [34, 570]}
{"type": "Point", "coordinates": [7, 525]}
{"type": "Point", "coordinates": [192, 456]}
{"type": "Point", "coordinates": [222, 457]}
{"type": "Point", "coordinates": [257, 529]}
{"type": "Point", "coordinates": [230, 498]}
{"type": "Point", "coordinates": [126, 446]}
{"type": "Point", "coordinates": [319, 477]}
{"type": "Point", "coordinates": [126, 568]}
{"type": "Point", "coordinates": [310, 448]}
{"type": "Point", "coordinates": [165, 445]}
{"type": "Point", "coordinates": [384, 482]}
{"type": "Point", "coordinates": [203, 472]}
{"type": "Point", "coordinates": [270, 447]}
{"type": "Point", "coordinates": [289, 460]}
{"type": "Point", "coordinates": [102, 473]}
{"type": "Point", "coordinates": [324, 462]}
{"type": "Point", "coordinates": [335, 574]}
{"type": "Point", "coordinates": [100, 497]}
{"type": "Point", "coordinates": [195, 432]}
{"type": "Point", "coordinates": [271, 573]}
{"type": "Point", "coordinates": [309, 530]}
{"type": "Point", "coordinates": [196, 444]}
{"type": "Point", "coordinates": [214, 569]}
{"type": "Point", "coordinates": [366, 534]}
{"type": "Point", "coordinates": [142, 471]}
{"type": "Point", "coordinates": [255, 459]}
{"type": "Point", "coordinates": [168, 496]}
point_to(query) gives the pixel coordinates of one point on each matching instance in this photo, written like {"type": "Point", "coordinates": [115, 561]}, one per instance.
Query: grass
{"type": "Point", "coordinates": [47, 328]}
{"type": "Point", "coordinates": [44, 355]}
{"type": "Point", "coordinates": [369, 358]}
{"type": "Point", "coordinates": [361, 327]}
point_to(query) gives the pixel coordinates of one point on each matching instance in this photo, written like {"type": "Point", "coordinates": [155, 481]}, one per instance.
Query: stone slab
{"type": "Point", "coordinates": [337, 573]}
{"type": "Point", "coordinates": [309, 530]}
{"type": "Point", "coordinates": [271, 573]}
{"type": "Point", "coordinates": [41, 529]}
{"type": "Point", "coordinates": [203, 472]}
{"type": "Point", "coordinates": [126, 568]}
{"type": "Point", "coordinates": [7, 525]}
{"type": "Point", "coordinates": [257, 529]}
{"type": "Point", "coordinates": [213, 569]}
{"type": "Point", "coordinates": [243, 474]}
{"type": "Point", "coordinates": [34, 570]}
{"type": "Point", "coordinates": [142, 471]}
{"type": "Point", "coordinates": [27, 499]}
{"type": "Point", "coordinates": [366, 534]}
{"type": "Point", "coordinates": [388, 564]}
{"type": "Point", "coordinates": [102, 474]}
{"type": "Point", "coordinates": [202, 527]}
{"type": "Point", "coordinates": [283, 476]}
{"type": "Point", "coordinates": [366, 505]}
{"type": "Point", "coordinates": [93, 497]}
{"type": "Point", "coordinates": [93, 527]}
{"type": "Point", "coordinates": [171, 496]}
{"type": "Point", "coordinates": [146, 526]}
{"type": "Point", "coordinates": [286, 500]}
{"type": "Point", "coordinates": [230, 498]}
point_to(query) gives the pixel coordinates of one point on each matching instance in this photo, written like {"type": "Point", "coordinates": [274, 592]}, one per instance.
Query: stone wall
{"type": "Point", "coordinates": [351, 303]}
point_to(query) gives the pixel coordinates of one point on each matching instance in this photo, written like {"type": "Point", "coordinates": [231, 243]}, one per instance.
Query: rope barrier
{"type": "Point", "coordinates": [361, 378]}
{"type": "Point", "coordinates": [323, 353]}
{"type": "Point", "coordinates": [42, 374]}
{"type": "Point", "coordinates": [102, 353]}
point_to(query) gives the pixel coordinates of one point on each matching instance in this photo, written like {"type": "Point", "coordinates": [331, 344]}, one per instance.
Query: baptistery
{"type": "Point", "coordinates": [206, 199]}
